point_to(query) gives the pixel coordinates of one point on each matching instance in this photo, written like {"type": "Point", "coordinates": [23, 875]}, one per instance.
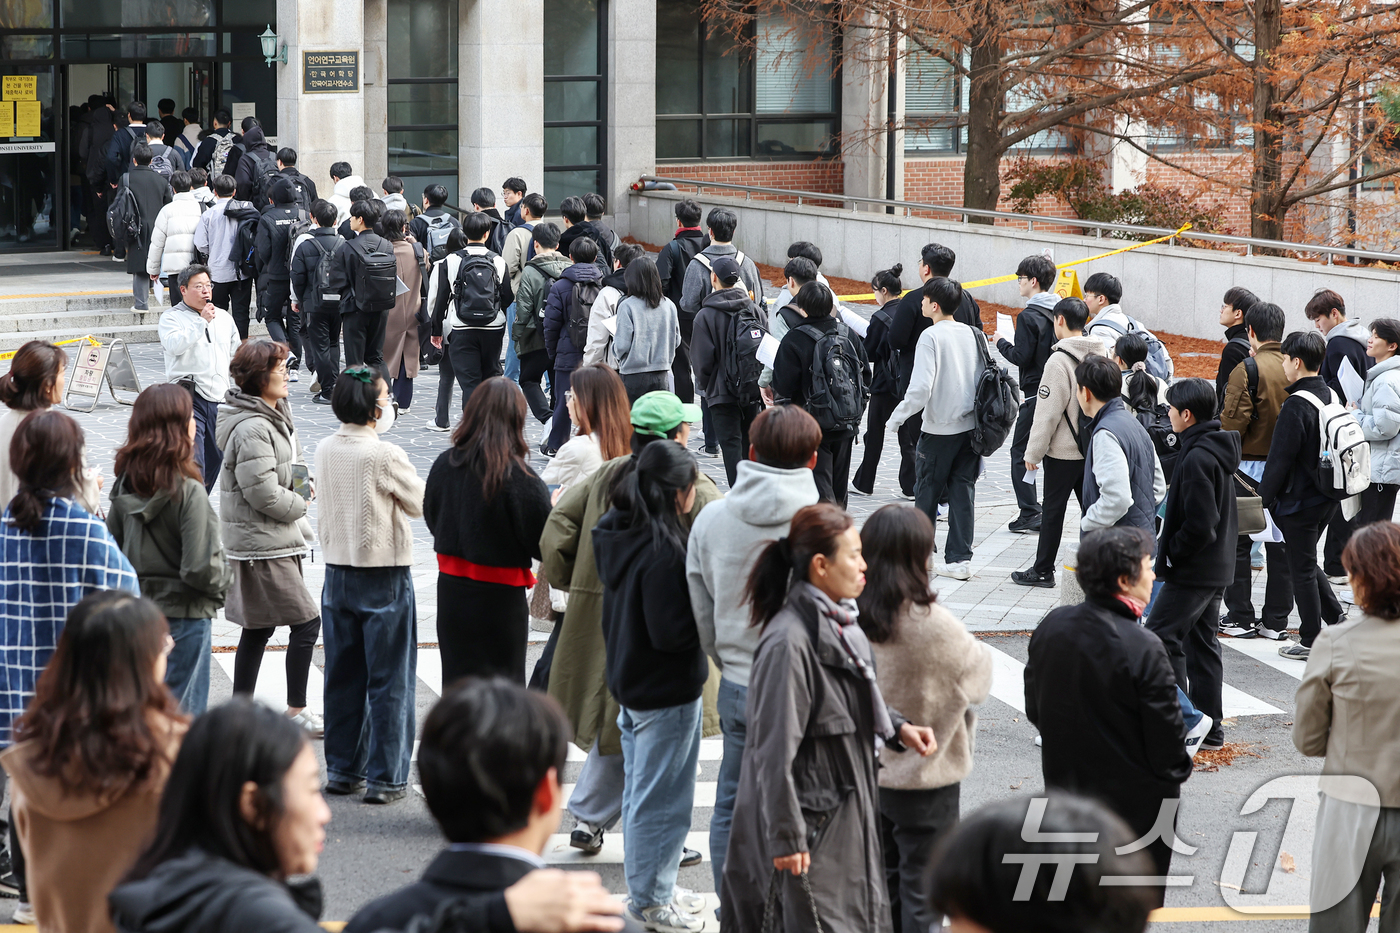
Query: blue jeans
{"type": "Point", "coordinates": [660, 748]}
{"type": "Point", "coordinates": [734, 723]}
{"type": "Point", "coordinates": [187, 667]}
{"type": "Point", "coordinates": [369, 621]}
{"type": "Point", "coordinates": [512, 362]}
{"type": "Point", "coordinates": [1188, 710]}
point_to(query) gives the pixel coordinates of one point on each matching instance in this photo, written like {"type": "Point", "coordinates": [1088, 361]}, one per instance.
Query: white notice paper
{"type": "Point", "coordinates": [1352, 383]}
{"type": "Point", "coordinates": [611, 324]}
{"type": "Point", "coordinates": [1031, 475]}
{"type": "Point", "coordinates": [768, 350]}
{"type": "Point", "coordinates": [855, 322]}
{"type": "Point", "coordinates": [1006, 328]}
{"type": "Point", "coordinates": [401, 287]}
{"type": "Point", "coordinates": [1270, 534]}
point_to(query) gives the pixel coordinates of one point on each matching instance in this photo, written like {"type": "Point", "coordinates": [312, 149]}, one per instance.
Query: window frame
{"type": "Point", "coordinates": [600, 123]}
{"type": "Point", "coordinates": [455, 127]}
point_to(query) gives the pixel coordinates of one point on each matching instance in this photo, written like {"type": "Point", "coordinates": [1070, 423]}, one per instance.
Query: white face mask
{"type": "Point", "coordinates": [385, 418]}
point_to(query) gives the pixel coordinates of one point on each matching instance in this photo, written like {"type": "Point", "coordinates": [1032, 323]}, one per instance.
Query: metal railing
{"type": "Point", "coordinates": [1099, 227]}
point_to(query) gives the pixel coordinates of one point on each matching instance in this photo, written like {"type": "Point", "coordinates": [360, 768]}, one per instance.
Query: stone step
{"type": "Point", "coordinates": [57, 303]}
{"type": "Point", "coordinates": [42, 321]}
{"type": "Point", "coordinates": [130, 332]}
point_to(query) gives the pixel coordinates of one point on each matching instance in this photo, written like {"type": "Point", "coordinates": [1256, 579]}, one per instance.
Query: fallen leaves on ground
{"type": "Point", "coordinates": [1287, 862]}
{"type": "Point", "coordinates": [1212, 759]}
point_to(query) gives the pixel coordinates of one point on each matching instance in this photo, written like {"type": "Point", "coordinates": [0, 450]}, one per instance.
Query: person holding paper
{"type": "Point", "coordinates": [1344, 366]}
{"type": "Point", "coordinates": [1378, 413]}
{"type": "Point", "coordinates": [1290, 492]}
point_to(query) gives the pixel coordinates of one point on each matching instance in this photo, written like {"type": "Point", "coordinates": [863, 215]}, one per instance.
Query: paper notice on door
{"type": "Point", "coordinates": [27, 113]}
{"type": "Point", "coordinates": [768, 350]}
{"type": "Point", "coordinates": [7, 118]}
{"type": "Point", "coordinates": [855, 322]}
{"type": "Point", "coordinates": [1006, 328]}
{"type": "Point", "coordinates": [1352, 383]}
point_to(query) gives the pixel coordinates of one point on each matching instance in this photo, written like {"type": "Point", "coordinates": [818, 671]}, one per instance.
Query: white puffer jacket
{"type": "Point", "coordinates": [1379, 416]}
{"type": "Point", "coordinates": [172, 240]}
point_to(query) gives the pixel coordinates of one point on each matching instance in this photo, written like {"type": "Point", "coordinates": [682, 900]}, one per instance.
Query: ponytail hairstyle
{"type": "Point", "coordinates": [888, 279]}
{"type": "Point", "coordinates": [814, 531]}
{"type": "Point", "coordinates": [33, 374]}
{"type": "Point", "coordinates": [646, 495]}
{"type": "Point", "coordinates": [46, 456]}
{"type": "Point", "coordinates": [1142, 387]}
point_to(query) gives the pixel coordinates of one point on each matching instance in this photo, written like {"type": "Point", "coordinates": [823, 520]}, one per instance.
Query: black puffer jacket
{"type": "Point", "coordinates": [708, 342]}
{"type": "Point", "coordinates": [202, 893]}
{"type": "Point", "coordinates": [1200, 523]}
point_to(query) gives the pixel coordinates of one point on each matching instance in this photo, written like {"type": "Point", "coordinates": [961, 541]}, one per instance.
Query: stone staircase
{"type": "Point", "coordinates": [104, 316]}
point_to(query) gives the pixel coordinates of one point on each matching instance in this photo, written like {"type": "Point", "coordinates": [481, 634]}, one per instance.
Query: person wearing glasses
{"type": "Point", "coordinates": [369, 494]}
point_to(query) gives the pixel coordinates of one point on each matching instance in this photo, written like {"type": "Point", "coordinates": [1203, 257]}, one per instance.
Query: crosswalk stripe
{"type": "Point", "coordinates": [710, 750]}
{"type": "Point", "coordinates": [272, 681]}
{"type": "Point", "coordinates": [558, 851]}
{"type": "Point", "coordinates": [1266, 652]}
{"type": "Point", "coordinates": [1009, 686]}
{"type": "Point", "coordinates": [704, 790]}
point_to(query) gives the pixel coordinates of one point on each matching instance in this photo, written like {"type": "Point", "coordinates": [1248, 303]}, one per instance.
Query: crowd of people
{"type": "Point", "coordinates": [843, 690]}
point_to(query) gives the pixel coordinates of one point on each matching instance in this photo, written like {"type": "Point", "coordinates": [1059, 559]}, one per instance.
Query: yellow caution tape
{"type": "Point", "coordinates": [1012, 277]}
{"type": "Point", "coordinates": [10, 354]}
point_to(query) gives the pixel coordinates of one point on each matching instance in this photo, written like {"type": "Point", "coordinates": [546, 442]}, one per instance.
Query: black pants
{"type": "Point", "coordinates": [1186, 619]}
{"type": "Point", "coordinates": [1377, 504]}
{"type": "Point", "coordinates": [476, 357]}
{"type": "Point", "coordinates": [1020, 439]}
{"type": "Point", "coordinates": [97, 220]}
{"type": "Point", "coordinates": [533, 366]}
{"type": "Point", "coordinates": [235, 297]}
{"type": "Point", "coordinates": [364, 336]}
{"type": "Point", "coordinates": [561, 427]}
{"type": "Point", "coordinates": [639, 384]}
{"type": "Point", "coordinates": [275, 308]}
{"type": "Point", "coordinates": [1311, 592]}
{"type": "Point", "coordinates": [323, 340]}
{"type": "Point", "coordinates": [301, 643]}
{"type": "Point", "coordinates": [947, 470]}
{"type": "Point", "coordinates": [403, 387]}
{"type": "Point", "coordinates": [680, 365]}
{"type": "Point", "coordinates": [481, 629]}
{"type": "Point", "coordinates": [1061, 478]}
{"type": "Point", "coordinates": [1278, 591]}
{"type": "Point", "coordinates": [877, 418]}
{"type": "Point", "coordinates": [912, 823]}
{"type": "Point", "coordinates": [833, 465]}
{"type": "Point", "coordinates": [731, 421]}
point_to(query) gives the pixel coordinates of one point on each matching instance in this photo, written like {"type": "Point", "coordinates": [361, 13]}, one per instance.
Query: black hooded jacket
{"type": "Point", "coordinates": [202, 893]}
{"type": "Point", "coordinates": [708, 343]}
{"type": "Point", "coordinates": [654, 658]}
{"type": "Point", "coordinates": [1290, 474]}
{"type": "Point", "coordinates": [587, 228]}
{"type": "Point", "coordinates": [675, 258]}
{"type": "Point", "coordinates": [254, 153]}
{"type": "Point", "coordinates": [1200, 523]}
{"type": "Point", "coordinates": [272, 247]}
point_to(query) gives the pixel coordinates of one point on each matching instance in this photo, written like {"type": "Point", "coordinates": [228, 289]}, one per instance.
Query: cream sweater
{"type": "Point", "coordinates": [931, 670]}
{"type": "Point", "coordinates": [366, 491]}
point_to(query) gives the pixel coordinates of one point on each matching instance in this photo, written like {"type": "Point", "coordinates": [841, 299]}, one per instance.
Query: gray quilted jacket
{"type": "Point", "coordinates": [258, 511]}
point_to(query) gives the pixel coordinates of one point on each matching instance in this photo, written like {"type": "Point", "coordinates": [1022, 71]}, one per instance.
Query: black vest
{"type": "Point", "coordinates": [1137, 447]}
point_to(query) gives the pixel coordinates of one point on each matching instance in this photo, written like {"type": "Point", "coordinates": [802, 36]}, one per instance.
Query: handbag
{"type": "Point", "coordinates": [770, 920]}
{"type": "Point", "coordinates": [1250, 508]}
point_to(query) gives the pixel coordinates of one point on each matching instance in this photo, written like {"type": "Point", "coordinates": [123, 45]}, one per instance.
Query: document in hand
{"type": "Point", "coordinates": [768, 350]}
{"type": "Point", "coordinates": [1352, 383]}
{"type": "Point", "coordinates": [1006, 328]}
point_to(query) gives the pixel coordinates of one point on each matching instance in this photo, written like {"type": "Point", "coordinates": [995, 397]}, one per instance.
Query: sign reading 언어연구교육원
{"type": "Point", "coordinates": [330, 72]}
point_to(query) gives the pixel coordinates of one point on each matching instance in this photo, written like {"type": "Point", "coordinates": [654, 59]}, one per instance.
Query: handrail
{"type": "Point", "coordinates": [1030, 220]}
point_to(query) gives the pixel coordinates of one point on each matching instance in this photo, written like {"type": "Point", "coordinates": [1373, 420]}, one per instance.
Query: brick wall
{"type": "Point", "coordinates": [826, 175]}
{"type": "Point", "coordinates": [940, 181]}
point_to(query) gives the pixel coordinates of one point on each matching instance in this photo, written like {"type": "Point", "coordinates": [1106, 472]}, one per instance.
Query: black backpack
{"type": "Point", "coordinates": [244, 241]}
{"type": "Point", "coordinates": [477, 290]}
{"type": "Point", "coordinates": [836, 387]}
{"type": "Point", "coordinates": [264, 174]}
{"type": "Point", "coordinates": [301, 226]}
{"type": "Point", "coordinates": [162, 164]}
{"type": "Point", "coordinates": [1164, 440]}
{"type": "Point", "coordinates": [321, 283]}
{"type": "Point", "coordinates": [580, 306]}
{"type": "Point", "coordinates": [995, 404]}
{"type": "Point", "coordinates": [742, 367]}
{"type": "Point", "coordinates": [376, 282]}
{"type": "Point", "coordinates": [124, 217]}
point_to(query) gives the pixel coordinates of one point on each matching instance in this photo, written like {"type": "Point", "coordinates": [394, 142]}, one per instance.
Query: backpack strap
{"type": "Point", "coordinates": [1114, 325]}
{"type": "Point", "coordinates": [1251, 381]}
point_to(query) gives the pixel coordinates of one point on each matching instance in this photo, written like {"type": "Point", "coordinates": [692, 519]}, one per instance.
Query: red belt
{"type": "Point", "coordinates": [510, 576]}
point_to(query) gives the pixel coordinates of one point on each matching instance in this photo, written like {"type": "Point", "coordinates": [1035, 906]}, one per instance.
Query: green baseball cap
{"type": "Point", "coordinates": [659, 412]}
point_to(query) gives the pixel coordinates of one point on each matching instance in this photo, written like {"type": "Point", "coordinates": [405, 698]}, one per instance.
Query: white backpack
{"type": "Point", "coordinates": [1344, 460]}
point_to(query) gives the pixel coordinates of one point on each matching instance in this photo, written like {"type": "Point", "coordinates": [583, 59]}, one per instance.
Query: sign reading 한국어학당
{"type": "Point", "coordinates": [330, 72]}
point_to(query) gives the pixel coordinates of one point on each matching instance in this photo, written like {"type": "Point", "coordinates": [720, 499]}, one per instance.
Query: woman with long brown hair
{"type": "Point", "coordinates": [162, 519]}
{"type": "Point", "coordinates": [486, 509]}
{"type": "Point", "coordinates": [91, 758]}
{"type": "Point", "coordinates": [401, 329]}
{"type": "Point", "coordinates": [601, 414]}
{"type": "Point", "coordinates": [35, 381]}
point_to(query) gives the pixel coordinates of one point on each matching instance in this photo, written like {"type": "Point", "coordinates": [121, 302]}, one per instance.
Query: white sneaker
{"type": "Point", "coordinates": [1338, 581]}
{"type": "Point", "coordinates": [687, 900]}
{"type": "Point", "coordinates": [24, 914]}
{"type": "Point", "coordinates": [1197, 735]}
{"type": "Point", "coordinates": [959, 571]}
{"type": "Point", "coordinates": [1271, 634]}
{"type": "Point", "coordinates": [314, 725]}
{"type": "Point", "coordinates": [666, 919]}
{"type": "Point", "coordinates": [1037, 741]}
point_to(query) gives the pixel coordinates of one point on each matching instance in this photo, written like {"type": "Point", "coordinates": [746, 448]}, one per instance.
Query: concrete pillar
{"type": "Point", "coordinates": [376, 90]}
{"type": "Point", "coordinates": [500, 94]}
{"type": "Point", "coordinates": [864, 114]}
{"type": "Point", "coordinates": [323, 128]}
{"type": "Point", "coordinates": [631, 97]}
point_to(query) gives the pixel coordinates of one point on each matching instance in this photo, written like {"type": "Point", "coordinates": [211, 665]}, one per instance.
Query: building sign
{"type": "Point", "coordinates": [12, 148]}
{"type": "Point", "coordinates": [21, 87]}
{"type": "Point", "coordinates": [330, 72]}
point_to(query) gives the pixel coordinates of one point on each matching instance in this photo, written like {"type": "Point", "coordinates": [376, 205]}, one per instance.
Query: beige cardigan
{"type": "Point", "coordinates": [366, 491]}
{"type": "Point", "coordinates": [1348, 706]}
{"type": "Point", "coordinates": [930, 670]}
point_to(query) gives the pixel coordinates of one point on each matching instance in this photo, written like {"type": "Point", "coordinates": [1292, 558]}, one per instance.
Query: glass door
{"type": "Point", "coordinates": [29, 168]}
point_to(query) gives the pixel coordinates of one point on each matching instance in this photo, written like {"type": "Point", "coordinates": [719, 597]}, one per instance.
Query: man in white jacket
{"type": "Point", "coordinates": [345, 181]}
{"type": "Point", "coordinates": [772, 484]}
{"type": "Point", "coordinates": [172, 236]}
{"type": "Point", "coordinates": [947, 365]}
{"type": "Point", "coordinates": [199, 340]}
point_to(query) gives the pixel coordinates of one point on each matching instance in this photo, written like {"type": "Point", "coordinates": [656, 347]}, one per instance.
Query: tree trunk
{"type": "Point", "coordinates": [986, 101]}
{"type": "Point", "coordinates": [1267, 207]}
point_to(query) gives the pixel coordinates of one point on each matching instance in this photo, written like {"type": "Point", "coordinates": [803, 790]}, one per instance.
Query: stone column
{"type": "Point", "coordinates": [631, 102]}
{"type": "Point", "coordinates": [376, 90]}
{"type": "Point", "coordinates": [501, 94]}
{"type": "Point", "coordinates": [323, 128]}
{"type": "Point", "coordinates": [865, 113]}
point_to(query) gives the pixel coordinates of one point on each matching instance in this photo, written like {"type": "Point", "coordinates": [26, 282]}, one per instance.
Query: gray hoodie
{"type": "Point", "coordinates": [724, 543]}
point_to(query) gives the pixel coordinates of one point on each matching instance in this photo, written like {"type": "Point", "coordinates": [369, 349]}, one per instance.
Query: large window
{"type": "Point", "coordinates": [422, 60]}
{"type": "Point", "coordinates": [716, 100]}
{"type": "Point", "coordinates": [575, 67]}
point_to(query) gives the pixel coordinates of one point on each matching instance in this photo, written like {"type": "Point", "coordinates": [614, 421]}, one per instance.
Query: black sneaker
{"type": "Point", "coordinates": [1233, 629]}
{"type": "Point", "coordinates": [548, 451]}
{"type": "Point", "coordinates": [1025, 526]}
{"type": "Point", "coordinates": [384, 795]}
{"type": "Point", "coordinates": [1214, 741]}
{"type": "Point", "coordinates": [689, 857]}
{"type": "Point", "coordinates": [710, 451]}
{"type": "Point", "coordinates": [1031, 578]}
{"type": "Point", "coordinates": [319, 399]}
{"type": "Point", "coordinates": [343, 788]}
{"type": "Point", "coordinates": [588, 839]}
